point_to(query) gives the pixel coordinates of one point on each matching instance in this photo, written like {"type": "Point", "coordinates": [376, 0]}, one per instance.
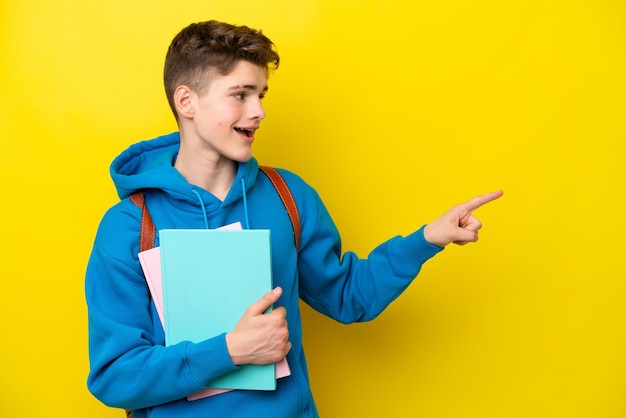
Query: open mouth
{"type": "Point", "coordinates": [247, 132]}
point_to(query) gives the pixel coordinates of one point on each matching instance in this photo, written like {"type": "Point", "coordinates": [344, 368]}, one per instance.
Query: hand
{"type": "Point", "coordinates": [260, 338]}
{"type": "Point", "coordinates": [458, 225]}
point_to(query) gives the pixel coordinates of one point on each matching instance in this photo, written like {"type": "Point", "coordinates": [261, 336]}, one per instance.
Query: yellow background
{"type": "Point", "coordinates": [394, 110]}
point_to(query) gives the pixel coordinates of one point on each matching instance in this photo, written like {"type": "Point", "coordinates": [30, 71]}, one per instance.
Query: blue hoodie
{"type": "Point", "coordinates": [130, 366]}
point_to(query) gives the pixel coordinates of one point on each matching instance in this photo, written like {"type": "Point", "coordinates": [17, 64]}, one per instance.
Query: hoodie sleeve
{"type": "Point", "coordinates": [129, 365]}
{"type": "Point", "coordinates": [345, 287]}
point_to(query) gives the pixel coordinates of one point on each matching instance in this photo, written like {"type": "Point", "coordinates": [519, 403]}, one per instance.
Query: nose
{"type": "Point", "coordinates": [256, 111]}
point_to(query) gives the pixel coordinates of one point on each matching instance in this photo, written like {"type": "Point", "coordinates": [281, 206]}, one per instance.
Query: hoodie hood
{"type": "Point", "coordinates": [150, 165]}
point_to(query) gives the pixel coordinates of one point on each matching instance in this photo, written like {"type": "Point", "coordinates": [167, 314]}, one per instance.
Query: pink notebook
{"type": "Point", "coordinates": [151, 264]}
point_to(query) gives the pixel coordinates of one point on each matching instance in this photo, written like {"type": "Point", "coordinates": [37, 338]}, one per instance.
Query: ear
{"type": "Point", "coordinates": [183, 101]}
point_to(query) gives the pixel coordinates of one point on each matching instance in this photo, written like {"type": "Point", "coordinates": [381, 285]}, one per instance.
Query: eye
{"type": "Point", "coordinates": [239, 96]}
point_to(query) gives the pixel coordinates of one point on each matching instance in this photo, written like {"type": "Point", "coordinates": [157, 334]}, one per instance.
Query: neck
{"type": "Point", "coordinates": [216, 177]}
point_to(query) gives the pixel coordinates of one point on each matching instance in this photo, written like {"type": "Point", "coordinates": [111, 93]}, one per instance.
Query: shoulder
{"type": "Point", "coordinates": [123, 213]}
{"type": "Point", "coordinates": [302, 191]}
{"type": "Point", "coordinates": [118, 231]}
{"type": "Point", "coordinates": [294, 181]}
{"type": "Point", "coordinates": [306, 197]}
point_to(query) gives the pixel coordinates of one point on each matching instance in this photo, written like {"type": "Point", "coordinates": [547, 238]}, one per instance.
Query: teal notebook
{"type": "Point", "coordinates": [210, 277]}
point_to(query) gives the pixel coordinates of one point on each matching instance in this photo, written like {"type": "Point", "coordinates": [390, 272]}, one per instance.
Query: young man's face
{"type": "Point", "coordinates": [229, 112]}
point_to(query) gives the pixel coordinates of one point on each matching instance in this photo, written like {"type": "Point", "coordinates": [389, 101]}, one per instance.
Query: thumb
{"type": "Point", "coordinates": [266, 301]}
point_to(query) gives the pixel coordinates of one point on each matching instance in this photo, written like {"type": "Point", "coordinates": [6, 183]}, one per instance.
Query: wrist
{"type": "Point", "coordinates": [233, 352]}
{"type": "Point", "coordinates": [432, 238]}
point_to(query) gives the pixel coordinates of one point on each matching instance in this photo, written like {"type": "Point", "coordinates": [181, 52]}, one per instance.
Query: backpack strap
{"type": "Point", "coordinates": [287, 198]}
{"type": "Point", "coordinates": [148, 231]}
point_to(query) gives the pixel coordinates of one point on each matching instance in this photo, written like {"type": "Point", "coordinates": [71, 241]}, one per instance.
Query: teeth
{"type": "Point", "coordinates": [247, 132]}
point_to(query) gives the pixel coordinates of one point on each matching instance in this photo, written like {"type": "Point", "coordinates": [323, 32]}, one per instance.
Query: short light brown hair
{"type": "Point", "coordinates": [212, 46]}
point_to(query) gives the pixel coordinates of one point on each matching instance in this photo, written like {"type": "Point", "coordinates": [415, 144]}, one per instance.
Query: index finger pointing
{"type": "Point", "coordinates": [478, 201]}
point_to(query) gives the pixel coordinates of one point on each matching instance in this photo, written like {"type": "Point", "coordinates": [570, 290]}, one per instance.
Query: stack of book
{"type": "Point", "coordinates": [202, 281]}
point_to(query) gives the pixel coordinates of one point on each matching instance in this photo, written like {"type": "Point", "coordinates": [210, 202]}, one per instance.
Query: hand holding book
{"type": "Point", "coordinates": [260, 337]}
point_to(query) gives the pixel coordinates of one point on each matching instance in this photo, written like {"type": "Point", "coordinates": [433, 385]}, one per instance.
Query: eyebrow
{"type": "Point", "coordinates": [248, 87]}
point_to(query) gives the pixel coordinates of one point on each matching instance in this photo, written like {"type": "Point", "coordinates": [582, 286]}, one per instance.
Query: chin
{"type": "Point", "coordinates": [243, 158]}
